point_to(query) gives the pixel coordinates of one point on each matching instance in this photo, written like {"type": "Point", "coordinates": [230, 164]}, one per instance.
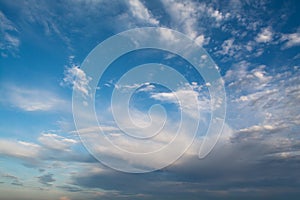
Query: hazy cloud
{"type": "Point", "coordinates": [46, 179]}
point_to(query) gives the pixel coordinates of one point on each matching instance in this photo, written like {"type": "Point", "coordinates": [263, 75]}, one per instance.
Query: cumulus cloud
{"type": "Point", "coordinates": [216, 14]}
{"type": "Point", "coordinates": [200, 40]}
{"type": "Point", "coordinates": [266, 35]}
{"type": "Point", "coordinates": [156, 127]}
{"type": "Point", "coordinates": [253, 157]}
{"type": "Point", "coordinates": [139, 11]}
{"type": "Point", "coordinates": [228, 48]}
{"type": "Point", "coordinates": [258, 155]}
{"type": "Point", "coordinates": [187, 99]}
{"type": "Point", "coordinates": [184, 14]}
{"type": "Point", "coordinates": [184, 17]}
{"type": "Point", "coordinates": [76, 77]}
{"type": "Point", "coordinates": [264, 96]}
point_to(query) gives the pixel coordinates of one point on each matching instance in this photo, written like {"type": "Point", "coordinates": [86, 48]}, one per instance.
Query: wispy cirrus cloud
{"type": "Point", "coordinates": [32, 99]}
{"type": "Point", "coordinates": [258, 154]}
{"type": "Point", "coordinates": [9, 41]}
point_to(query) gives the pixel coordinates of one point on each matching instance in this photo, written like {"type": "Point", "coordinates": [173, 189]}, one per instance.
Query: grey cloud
{"type": "Point", "coordinates": [232, 170]}
{"type": "Point", "coordinates": [46, 179]}
{"type": "Point", "coordinates": [14, 179]}
{"type": "Point", "coordinates": [258, 159]}
{"type": "Point", "coordinates": [70, 188]}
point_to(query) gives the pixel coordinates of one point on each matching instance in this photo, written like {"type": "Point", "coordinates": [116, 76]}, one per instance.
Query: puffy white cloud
{"type": "Point", "coordinates": [187, 99]}
{"type": "Point", "coordinates": [201, 40]}
{"type": "Point", "coordinates": [258, 93]}
{"type": "Point", "coordinates": [140, 12]}
{"type": "Point", "coordinates": [183, 15]}
{"type": "Point", "coordinates": [243, 79]}
{"type": "Point", "coordinates": [228, 48]}
{"type": "Point", "coordinates": [77, 78]}
{"type": "Point", "coordinates": [266, 35]}
{"type": "Point", "coordinates": [215, 14]}
{"type": "Point", "coordinates": [291, 40]}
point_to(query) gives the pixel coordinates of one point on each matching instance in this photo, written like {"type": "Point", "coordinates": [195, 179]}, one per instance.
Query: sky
{"type": "Point", "coordinates": [63, 121]}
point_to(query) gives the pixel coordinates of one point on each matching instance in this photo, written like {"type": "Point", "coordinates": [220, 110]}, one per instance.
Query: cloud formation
{"type": "Point", "coordinates": [32, 99]}
{"type": "Point", "coordinates": [9, 42]}
{"type": "Point", "coordinates": [46, 179]}
{"type": "Point", "coordinates": [77, 79]}
{"type": "Point", "coordinates": [140, 12]}
{"type": "Point", "coordinates": [256, 47]}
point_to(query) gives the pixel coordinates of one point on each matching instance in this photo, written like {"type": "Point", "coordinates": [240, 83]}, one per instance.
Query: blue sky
{"type": "Point", "coordinates": [255, 45]}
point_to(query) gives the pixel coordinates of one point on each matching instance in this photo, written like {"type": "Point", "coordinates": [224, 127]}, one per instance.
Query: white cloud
{"type": "Point", "coordinates": [45, 149]}
{"type": "Point", "coordinates": [292, 39]}
{"type": "Point", "coordinates": [285, 154]}
{"type": "Point", "coordinates": [200, 40]}
{"type": "Point", "coordinates": [147, 88]}
{"type": "Point", "coordinates": [9, 42]}
{"type": "Point", "coordinates": [187, 99]}
{"type": "Point", "coordinates": [57, 142]}
{"type": "Point", "coordinates": [106, 129]}
{"type": "Point", "coordinates": [227, 47]}
{"type": "Point", "coordinates": [189, 17]}
{"type": "Point", "coordinates": [167, 35]}
{"type": "Point", "coordinates": [267, 98]}
{"type": "Point", "coordinates": [125, 88]}
{"type": "Point", "coordinates": [184, 15]}
{"type": "Point", "coordinates": [245, 79]}
{"type": "Point", "coordinates": [19, 149]}
{"type": "Point", "coordinates": [144, 87]}
{"type": "Point", "coordinates": [77, 78]}
{"type": "Point", "coordinates": [12, 40]}
{"type": "Point", "coordinates": [266, 35]}
{"type": "Point", "coordinates": [157, 129]}
{"type": "Point", "coordinates": [32, 99]}
{"type": "Point", "coordinates": [217, 15]}
{"type": "Point", "coordinates": [120, 140]}
{"type": "Point", "coordinates": [140, 12]}
{"type": "Point", "coordinates": [258, 128]}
